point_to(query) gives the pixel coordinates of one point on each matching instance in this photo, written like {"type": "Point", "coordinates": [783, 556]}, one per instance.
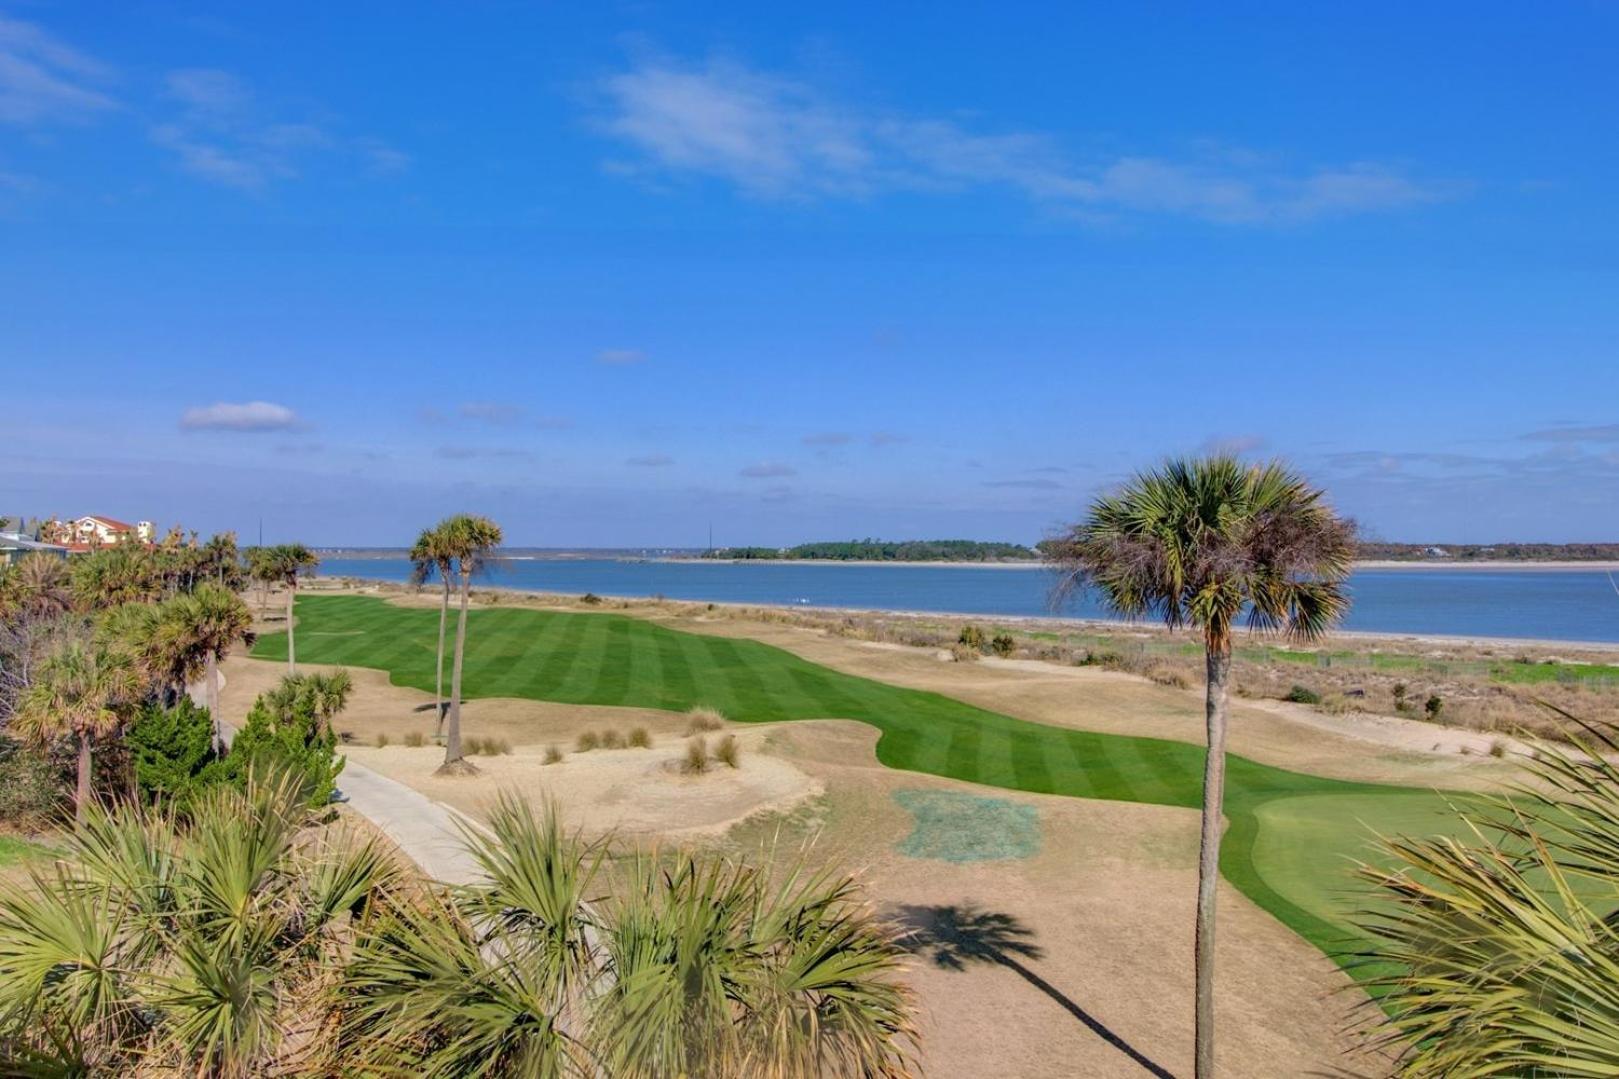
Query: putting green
{"type": "Point", "coordinates": [1290, 836]}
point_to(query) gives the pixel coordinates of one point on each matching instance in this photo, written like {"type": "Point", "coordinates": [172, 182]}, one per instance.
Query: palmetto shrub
{"type": "Point", "coordinates": [1498, 954]}
{"type": "Point", "coordinates": [189, 945]}
{"type": "Point", "coordinates": [693, 966]}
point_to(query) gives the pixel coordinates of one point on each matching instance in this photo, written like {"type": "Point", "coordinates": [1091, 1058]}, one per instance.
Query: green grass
{"type": "Point", "coordinates": [1290, 838]}
{"type": "Point", "coordinates": [13, 850]}
{"type": "Point", "coordinates": [1555, 672]}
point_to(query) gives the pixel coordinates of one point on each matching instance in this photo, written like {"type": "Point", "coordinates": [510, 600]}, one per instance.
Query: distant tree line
{"type": "Point", "coordinates": [872, 550]}
{"type": "Point", "coordinates": [1488, 552]}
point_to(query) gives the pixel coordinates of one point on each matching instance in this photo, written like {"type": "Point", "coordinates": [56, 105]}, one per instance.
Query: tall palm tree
{"type": "Point", "coordinates": [286, 563]}
{"type": "Point", "coordinates": [209, 622]}
{"type": "Point", "coordinates": [432, 554]}
{"type": "Point", "coordinates": [84, 691]}
{"type": "Point", "coordinates": [1198, 543]}
{"type": "Point", "coordinates": [469, 539]}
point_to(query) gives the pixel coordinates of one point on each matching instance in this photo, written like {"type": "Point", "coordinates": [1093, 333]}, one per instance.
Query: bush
{"type": "Point", "coordinates": [486, 747]}
{"type": "Point", "coordinates": [695, 763]}
{"type": "Point", "coordinates": [1302, 695]}
{"type": "Point", "coordinates": [1168, 676]}
{"type": "Point", "coordinates": [382, 740]}
{"type": "Point", "coordinates": [553, 755]}
{"type": "Point", "coordinates": [415, 739]}
{"type": "Point", "coordinates": [173, 751]}
{"type": "Point", "coordinates": [1336, 704]}
{"type": "Point", "coordinates": [1400, 691]}
{"type": "Point", "coordinates": [640, 739]}
{"type": "Point", "coordinates": [1003, 645]}
{"type": "Point", "coordinates": [1498, 748]}
{"type": "Point", "coordinates": [287, 730]}
{"type": "Point", "coordinates": [612, 740]}
{"type": "Point", "coordinates": [33, 789]}
{"type": "Point", "coordinates": [964, 653]}
{"type": "Point", "coordinates": [972, 637]}
{"type": "Point", "coordinates": [1433, 706]}
{"type": "Point", "coordinates": [727, 751]}
{"type": "Point", "coordinates": [590, 599]}
{"type": "Point", "coordinates": [703, 718]}
{"type": "Point", "coordinates": [587, 741]}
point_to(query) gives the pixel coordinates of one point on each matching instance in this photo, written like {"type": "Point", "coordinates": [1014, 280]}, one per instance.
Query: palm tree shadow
{"type": "Point", "coordinates": [956, 937]}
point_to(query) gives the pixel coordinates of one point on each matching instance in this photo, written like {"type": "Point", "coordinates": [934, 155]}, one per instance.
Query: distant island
{"type": "Point", "coordinates": [1377, 551]}
{"type": "Point", "coordinates": [870, 550]}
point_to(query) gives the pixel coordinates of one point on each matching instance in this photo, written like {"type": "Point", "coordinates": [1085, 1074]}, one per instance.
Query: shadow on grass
{"type": "Point", "coordinates": [957, 937]}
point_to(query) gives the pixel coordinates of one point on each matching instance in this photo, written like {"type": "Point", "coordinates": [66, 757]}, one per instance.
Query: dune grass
{"type": "Point", "coordinates": [1294, 865]}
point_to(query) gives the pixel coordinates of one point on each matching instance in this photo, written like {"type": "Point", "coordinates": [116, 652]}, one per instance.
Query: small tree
{"type": "Point", "coordinates": [286, 731]}
{"type": "Point", "coordinates": [85, 692]}
{"type": "Point", "coordinates": [173, 750]}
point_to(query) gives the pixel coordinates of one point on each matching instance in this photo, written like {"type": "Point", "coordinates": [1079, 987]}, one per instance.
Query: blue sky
{"type": "Point", "coordinates": [617, 272]}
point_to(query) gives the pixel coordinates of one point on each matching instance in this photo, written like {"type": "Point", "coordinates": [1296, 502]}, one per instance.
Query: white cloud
{"type": "Point", "coordinates": [249, 416]}
{"type": "Point", "coordinates": [1606, 432]}
{"type": "Point", "coordinates": [775, 137]}
{"type": "Point", "coordinates": [222, 134]}
{"type": "Point", "coordinates": [767, 470]}
{"type": "Point", "coordinates": [43, 80]}
{"type": "Point", "coordinates": [620, 357]}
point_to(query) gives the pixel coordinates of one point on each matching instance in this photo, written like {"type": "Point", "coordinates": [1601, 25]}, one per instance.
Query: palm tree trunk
{"type": "Point", "coordinates": [452, 741]}
{"type": "Point", "coordinates": [81, 798]}
{"type": "Point", "coordinates": [213, 702]}
{"type": "Point", "coordinates": [438, 683]}
{"type": "Point", "coordinates": [292, 656]}
{"type": "Point", "coordinates": [1208, 862]}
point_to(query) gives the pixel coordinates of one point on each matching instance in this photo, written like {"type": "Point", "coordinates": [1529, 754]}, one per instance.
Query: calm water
{"type": "Point", "coordinates": [1573, 605]}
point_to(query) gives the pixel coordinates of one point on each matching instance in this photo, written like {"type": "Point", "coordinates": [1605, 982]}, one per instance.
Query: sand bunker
{"type": "Point", "coordinates": [627, 791]}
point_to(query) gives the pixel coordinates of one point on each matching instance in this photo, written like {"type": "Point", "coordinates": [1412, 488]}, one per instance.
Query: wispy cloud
{"type": "Point", "coordinates": [43, 80]}
{"type": "Point", "coordinates": [246, 416]}
{"type": "Point", "coordinates": [651, 460]}
{"type": "Point", "coordinates": [1026, 485]}
{"type": "Point", "coordinates": [221, 133]}
{"type": "Point", "coordinates": [472, 453]}
{"type": "Point", "coordinates": [620, 357]}
{"type": "Point", "coordinates": [495, 412]}
{"type": "Point", "coordinates": [767, 470]}
{"type": "Point", "coordinates": [888, 438]}
{"type": "Point", "coordinates": [781, 138]}
{"type": "Point", "coordinates": [1604, 432]}
{"type": "Point", "coordinates": [827, 438]}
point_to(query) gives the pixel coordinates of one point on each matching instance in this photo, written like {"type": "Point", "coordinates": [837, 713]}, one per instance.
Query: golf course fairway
{"type": "Point", "coordinates": [1291, 836]}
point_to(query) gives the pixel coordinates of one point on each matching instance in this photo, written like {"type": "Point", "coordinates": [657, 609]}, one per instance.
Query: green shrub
{"type": "Point", "coordinates": [727, 751]}
{"type": "Point", "coordinates": [173, 751]}
{"type": "Point", "coordinates": [1302, 695]}
{"type": "Point", "coordinates": [1400, 692]}
{"type": "Point", "coordinates": [288, 730]}
{"type": "Point", "coordinates": [586, 742]}
{"type": "Point", "coordinates": [553, 755]}
{"type": "Point", "coordinates": [1433, 706]}
{"type": "Point", "coordinates": [695, 762]}
{"type": "Point", "coordinates": [590, 599]}
{"type": "Point", "coordinates": [1003, 644]}
{"type": "Point", "coordinates": [972, 637]}
{"type": "Point", "coordinates": [640, 739]}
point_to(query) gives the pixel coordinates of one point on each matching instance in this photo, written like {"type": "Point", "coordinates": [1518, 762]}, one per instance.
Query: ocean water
{"type": "Point", "coordinates": [1570, 605]}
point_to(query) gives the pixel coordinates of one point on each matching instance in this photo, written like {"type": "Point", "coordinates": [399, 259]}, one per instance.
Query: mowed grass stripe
{"type": "Point", "coordinates": [611, 659]}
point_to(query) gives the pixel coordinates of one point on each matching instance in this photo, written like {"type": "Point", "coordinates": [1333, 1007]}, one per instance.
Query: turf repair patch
{"type": "Point", "coordinates": [956, 827]}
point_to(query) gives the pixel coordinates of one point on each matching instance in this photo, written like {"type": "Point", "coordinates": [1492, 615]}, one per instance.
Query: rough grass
{"type": "Point", "coordinates": [611, 659]}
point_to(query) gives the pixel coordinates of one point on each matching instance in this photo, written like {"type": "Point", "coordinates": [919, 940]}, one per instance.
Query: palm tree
{"type": "Point", "coordinates": [285, 563]}
{"type": "Point", "coordinates": [469, 539]}
{"type": "Point", "coordinates": [698, 966]}
{"type": "Point", "coordinates": [1497, 953]}
{"type": "Point", "coordinates": [210, 621]}
{"type": "Point", "coordinates": [42, 586]}
{"type": "Point", "coordinates": [195, 944]}
{"type": "Point", "coordinates": [432, 554]}
{"type": "Point", "coordinates": [84, 691]}
{"type": "Point", "coordinates": [1197, 543]}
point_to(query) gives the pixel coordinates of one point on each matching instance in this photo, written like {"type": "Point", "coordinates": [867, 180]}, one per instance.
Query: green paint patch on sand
{"type": "Point", "coordinates": [953, 826]}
